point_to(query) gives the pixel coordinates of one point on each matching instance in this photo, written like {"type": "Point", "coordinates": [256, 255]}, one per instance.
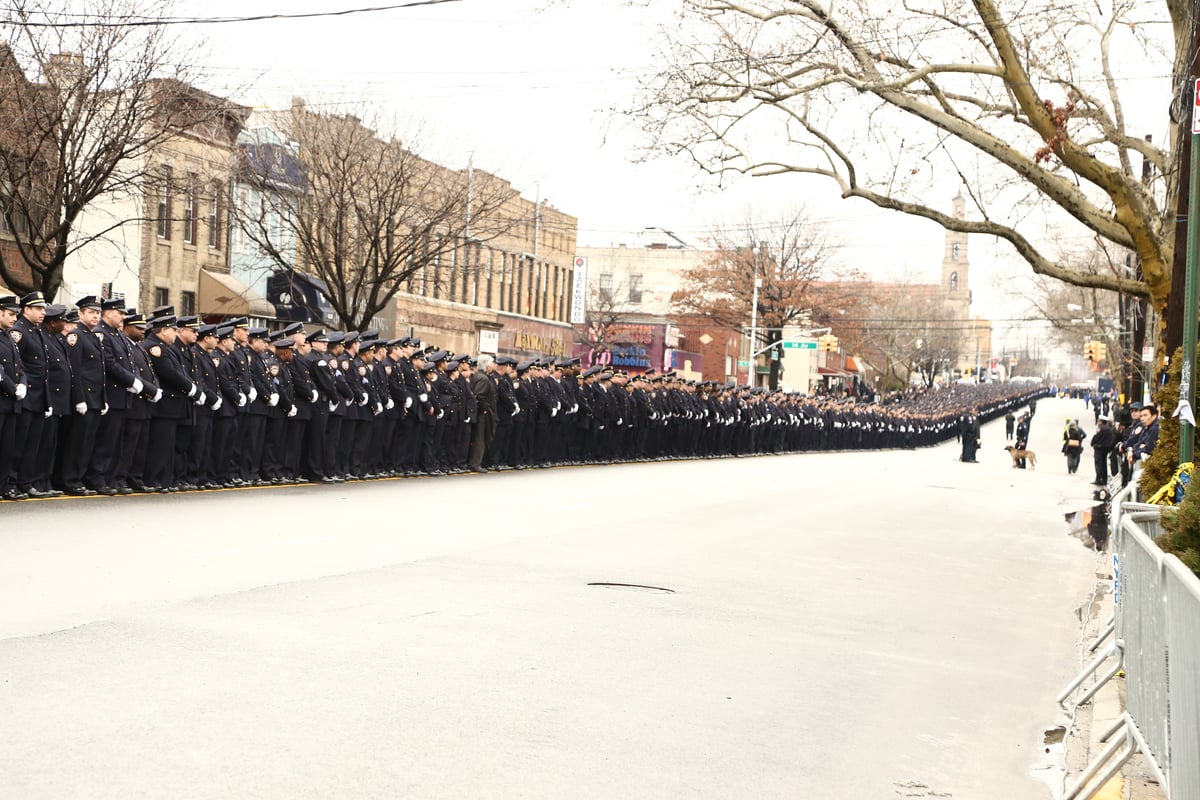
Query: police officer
{"type": "Point", "coordinates": [135, 434]}
{"type": "Point", "coordinates": [121, 386]}
{"type": "Point", "coordinates": [58, 392]}
{"type": "Point", "coordinates": [86, 355]}
{"type": "Point", "coordinates": [173, 409]}
{"type": "Point", "coordinates": [30, 338]}
{"type": "Point", "coordinates": [14, 389]}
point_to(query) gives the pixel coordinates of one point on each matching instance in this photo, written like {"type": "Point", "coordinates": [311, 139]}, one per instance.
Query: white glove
{"type": "Point", "coordinates": [22, 389]}
{"type": "Point", "coordinates": [554, 411]}
{"type": "Point", "coordinates": [315, 396]}
{"type": "Point", "coordinates": [441, 414]}
{"type": "Point", "coordinates": [378, 408]}
{"type": "Point", "coordinates": [467, 420]}
{"type": "Point", "coordinates": [104, 410]}
{"type": "Point", "coordinates": [273, 400]}
{"type": "Point", "coordinates": [332, 407]}
{"type": "Point", "coordinates": [620, 421]}
{"type": "Point", "coordinates": [157, 396]}
{"type": "Point", "coordinates": [49, 413]}
{"type": "Point", "coordinates": [575, 408]}
{"type": "Point", "coordinates": [516, 409]}
{"type": "Point", "coordinates": [241, 400]}
{"type": "Point", "coordinates": [601, 427]}
{"type": "Point", "coordinates": [217, 405]}
{"type": "Point", "coordinates": [557, 406]}
{"type": "Point", "coordinates": [81, 408]}
{"type": "Point", "coordinates": [137, 386]}
{"type": "Point", "coordinates": [391, 404]}
{"type": "Point", "coordinates": [292, 411]}
{"type": "Point", "coordinates": [194, 391]}
{"type": "Point", "coordinates": [200, 400]}
{"type": "Point", "coordinates": [424, 398]}
{"type": "Point", "coordinates": [253, 394]}
{"type": "Point", "coordinates": [408, 402]}
{"type": "Point", "coordinates": [362, 401]}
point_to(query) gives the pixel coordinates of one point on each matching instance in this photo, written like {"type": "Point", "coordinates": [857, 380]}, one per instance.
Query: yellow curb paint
{"type": "Point", "coordinates": [1113, 790]}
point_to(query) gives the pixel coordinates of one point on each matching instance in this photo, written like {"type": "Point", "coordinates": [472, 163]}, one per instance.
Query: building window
{"type": "Point", "coordinates": [189, 211]}
{"type": "Point", "coordinates": [187, 304]}
{"type": "Point", "coordinates": [214, 218]}
{"type": "Point", "coordinates": [635, 288]}
{"type": "Point", "coordinates": [164, 205]}
{"type": "Point", "coordinates": [954, 251]}
{"type": "Point", "coordinates": [954, 279]}
{"type": "Point", "coordinates": [162, 297]}
{"type": "Point", "coordinates": [606, 287]}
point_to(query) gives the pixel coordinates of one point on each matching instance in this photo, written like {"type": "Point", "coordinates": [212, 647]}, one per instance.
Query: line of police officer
{"type": "Point", "coordinates": [101, 400]}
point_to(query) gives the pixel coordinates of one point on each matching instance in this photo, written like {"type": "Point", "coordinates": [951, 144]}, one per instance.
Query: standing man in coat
{"type": "Point", "coordinates": [485, 403]}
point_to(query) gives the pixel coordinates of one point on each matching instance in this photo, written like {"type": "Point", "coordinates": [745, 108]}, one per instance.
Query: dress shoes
{"type": "Point", "coordinates": [80, 491]}
{"type": "Point", "coordinates": [38, 493]}
{"type": "Point", "coordinates": [15, 494]}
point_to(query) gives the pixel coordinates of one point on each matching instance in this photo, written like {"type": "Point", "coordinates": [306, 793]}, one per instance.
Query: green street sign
{"type": "Point", "coordinates": [800, 345]}
{"type": "Point", "coordinates": [743, 363]}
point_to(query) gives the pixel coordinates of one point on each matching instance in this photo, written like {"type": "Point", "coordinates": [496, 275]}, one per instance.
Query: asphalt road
{"type": "Point", "coordinates": [852, 625]}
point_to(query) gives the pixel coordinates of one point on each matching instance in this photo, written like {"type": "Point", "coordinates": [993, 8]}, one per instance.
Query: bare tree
{"type": "Point", "coordinates": [791, 257]}
{"type": "Point", "coordinates": [905, 332]}
{"type": "Point", "coordinates": [87, 91]}
{"type": "Point", "coordinates": [367, 215]}
{"type": "Point", "coordinates": [1023, 105]}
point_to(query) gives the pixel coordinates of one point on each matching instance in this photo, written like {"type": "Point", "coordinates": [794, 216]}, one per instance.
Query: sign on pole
{"type": "Point", "coordinates": [800, 345]}
{"type": "Point", "coordinates": [579, 292]}
{"type": "Point", "coordinates": [1196, 108]}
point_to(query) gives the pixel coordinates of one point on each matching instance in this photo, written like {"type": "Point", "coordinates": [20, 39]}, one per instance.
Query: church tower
{"type": "Point", "coordinates": [956, 287]}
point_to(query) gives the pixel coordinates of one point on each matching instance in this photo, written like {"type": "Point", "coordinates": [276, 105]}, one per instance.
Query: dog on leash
{"type": "Point", "coordinates": [1029, 456]}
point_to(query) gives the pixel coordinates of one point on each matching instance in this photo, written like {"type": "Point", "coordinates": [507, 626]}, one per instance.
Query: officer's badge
{"type": "Point", "coordinates": [274, 369]}
{"type": "Point", "coordinates": [72, 338]}
{"type": "Point", "coordinates": [362, 370]}
{"type": "Point", "coordinates": [100, 336]}
{"type": "Point", "coordinates": [15, 334]}
{"type": "Point", "coordinates": [216, 361]}
{"type": "Point", "coordinates": [388, 370]}
{"type": "Point", "coordinates": [156, 351]}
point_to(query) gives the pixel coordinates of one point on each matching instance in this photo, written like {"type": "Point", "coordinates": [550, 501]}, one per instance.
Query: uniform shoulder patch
{"type": "Point", "coordinates": [320, 363]}
{"type": "Point", "coordinates": [274, 368]}
{"type": "Point", "coordinates": [15, 334]}
{"type": "Point", "coordinates": [362, 370]}
{"type": "Point", "coordinates": [72, 338]}
{"type": "Point", "coordinates": [345, 366]}
{"type": "Point", "coordinates": [156, 351]}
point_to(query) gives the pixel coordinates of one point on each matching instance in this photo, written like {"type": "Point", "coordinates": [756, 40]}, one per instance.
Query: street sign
{"type": "Point", "coordinates": [1196, 108]}
{"type": "Point", "coordinates": [800, 345]}
{"type": "Point", "coordinates": [742, 363]}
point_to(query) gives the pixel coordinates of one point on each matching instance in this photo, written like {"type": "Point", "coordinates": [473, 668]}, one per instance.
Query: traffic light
{"type": "Point", "coordinates": [828, 343]}
{"type": "Point", "coordinates": [1100, 351]}
{"type": "Point", "coordinates": [1089, 351]}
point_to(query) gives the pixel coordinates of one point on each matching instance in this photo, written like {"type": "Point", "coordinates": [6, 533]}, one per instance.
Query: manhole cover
{"type": "Point", "coordinates": [637, 587]}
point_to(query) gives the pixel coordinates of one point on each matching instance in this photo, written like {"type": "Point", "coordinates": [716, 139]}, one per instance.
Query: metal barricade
{"type": "Point", "coordinates": [1157, 642]}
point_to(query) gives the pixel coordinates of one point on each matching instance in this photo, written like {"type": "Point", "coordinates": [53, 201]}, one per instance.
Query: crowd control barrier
{"type": "Point", "coordinates": [1156, 642]}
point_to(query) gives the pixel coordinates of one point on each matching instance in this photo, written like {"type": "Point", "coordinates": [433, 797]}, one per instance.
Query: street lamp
{"type": "Point", "coordinates": [751, 376]}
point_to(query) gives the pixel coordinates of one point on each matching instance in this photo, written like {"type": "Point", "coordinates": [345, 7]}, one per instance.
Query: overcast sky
{"type": "Point", "coordinates": [534, 89]}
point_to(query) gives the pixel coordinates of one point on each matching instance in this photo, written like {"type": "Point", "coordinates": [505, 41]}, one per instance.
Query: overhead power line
{"type": "Point", "coordinates": [134, 21]}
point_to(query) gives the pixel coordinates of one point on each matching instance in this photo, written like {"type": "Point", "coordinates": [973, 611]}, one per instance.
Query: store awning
{"type": "Point", "coordinates": [225, 295]}
{"type": "Point", "coordinates": [832, 373]}
{"type": "Point", "coordinates": [852, 365]}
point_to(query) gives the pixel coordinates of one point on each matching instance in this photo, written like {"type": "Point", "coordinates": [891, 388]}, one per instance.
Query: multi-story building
{"type": "Point", "coordinates": [510, 294]}
{"type": "Point", "coordinates": [169, 244]}
{"type": "Point", "coordinates": [629, 324]}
